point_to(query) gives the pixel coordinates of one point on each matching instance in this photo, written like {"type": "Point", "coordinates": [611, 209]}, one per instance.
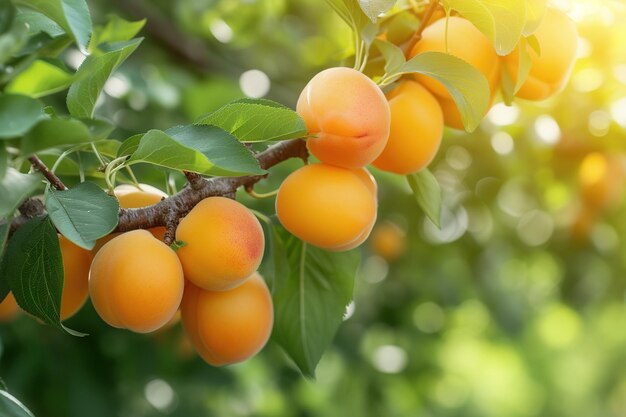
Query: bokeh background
{"type": "Point", "coordinates": [516, 307]}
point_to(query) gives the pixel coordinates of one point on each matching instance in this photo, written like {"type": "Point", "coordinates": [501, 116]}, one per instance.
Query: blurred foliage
{"type": "Point", "coordinates": [514, 308]}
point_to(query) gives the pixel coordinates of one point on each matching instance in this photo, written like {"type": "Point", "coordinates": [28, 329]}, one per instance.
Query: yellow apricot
{"type": "Point", "coordinates": [130, 196]}
{"type": "Point", "coordinates": [416, 130]}
{"type": "Point", "coordinates": [76, 263]}
{"type": "Point", "coordinates": [347, 114]}
{"type": "Point", "coordinates": [8, 309]}
{"type": "Point", "coordinates": [326, 206]}
{"type": "Point", "coordinates": [558, 39]}
{"type": "Point", "coordinates": [388, 241]}
{"type": "Point", "coordinates": [136, 282]}
{"type": "Point", "coordinates": [227, 327]}
{"type": "Point", "coordinates": [464, 41]}
{"type": "Point", "coordinates": [224, 244]}
{"type": "Point", "coordinates": [452, 116]}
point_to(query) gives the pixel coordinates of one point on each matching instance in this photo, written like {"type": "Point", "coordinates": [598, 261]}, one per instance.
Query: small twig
{"type": "Point", "coordinates": [195, 180]}
{"type": "Point", "coordinates": [50, 176]}
{"type": "Point", "coordinates": [171, 223]}
{"type": "Point", "coordinates": [418, 33]}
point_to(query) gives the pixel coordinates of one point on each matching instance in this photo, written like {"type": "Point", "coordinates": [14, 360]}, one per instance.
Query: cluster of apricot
{"type": "Point", "coordinates": [351, 123]}
{"type": "Point", "coordinates": [137, 282]}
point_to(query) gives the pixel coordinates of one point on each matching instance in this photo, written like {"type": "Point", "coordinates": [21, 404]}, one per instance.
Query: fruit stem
{"type": "Point", "coordinates": [418, 33]}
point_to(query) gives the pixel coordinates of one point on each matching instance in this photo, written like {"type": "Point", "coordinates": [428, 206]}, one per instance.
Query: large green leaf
{"type": "Point", "coordinates": [257, 120]}
{"type": "Point", "coordinates": [394, 57]}
{"type": "Point", "coordinates": [373, 8]}
{"type": "Point", "coordinates": [12, 407]}
{"type": "Point", "coordinates": [5, 226]}
{"type": "Point", "coordinates": [204, 149]}
{"type": "Point", "coordinates": [40, 79]}
{"type": "Point", "coordinates": [467, 86]}
{"type": "Point", "coordinates": [12, 41]}
{"type": "Point", "coordinates": [93, 74]}
{"type": "Point", "coordinates": [350, 11]}
{"type": "Point", "coordinates": [4, 161]}
{"type": "Point", "coordinates": [502, 21]}
{"type": "Point", "coordinates": [15, 188]}
{"type": "Point", "coordinates": [18, 114]}
{"type": "Point", "coordinates": [53, 133]}
{"type": "Point", "coordinates": [7, 14]}
{"type": "Point", "coordinates": [310, 301]}
{"type": "Point", "coordinates": [72, 15]}
{"type": "Point", "coordinates": [116, 30]}
{"type": "Point", "coordinates": [83, 214]}
{"type": "Point", "coordinates": [38, 23]}
{"type": "Point", "coordinates": [427, 193]}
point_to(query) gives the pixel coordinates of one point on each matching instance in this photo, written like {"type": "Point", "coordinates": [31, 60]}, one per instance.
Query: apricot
{"type": "Point", "coordinates": [136, 282]}
{"type": "Point", "coordinates": [347, 114]}
{"type": "Point", "coordinates": [451, 115]}
{"type": "Point", "coordinates": [416, 130]}
{"type": "Point", "coordinates": [223, 244]}
{"type": "Point", "coordinates": [388, 241]}
{"type": "Point", "coordinates": [131, 196]}
{"type": "Point", "coordinates": [8, 309]}
{"type": "Point", "coordinates": [227, 327]}
{"type": "Point", "coordinates": [76, 263]}
{"type": "Point", "coordinates": [326, 206]}
{"type": "Point", "coordinates": [464, 41]}
{"type": "Point", "coordinates": [558, 38]}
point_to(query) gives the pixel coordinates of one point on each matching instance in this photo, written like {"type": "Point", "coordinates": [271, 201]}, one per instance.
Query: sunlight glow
{"type": "Point", "coordinates": [254, 83]}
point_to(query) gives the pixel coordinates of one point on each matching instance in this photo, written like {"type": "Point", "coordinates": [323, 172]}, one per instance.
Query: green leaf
{"type": "Point", "coordinates": [116, 30]}
{"type": "Point", "coordinates": [394, 57]}
{"type": "Point", "coordinates": [4, 234]}
{"type": "Point", "coordinates": [502, 21]}
{"type": "Point", "coordinates": [13, 40]}
{"type": "Point", "coordinates": [83, 214]}
{"type": "Point", "coordinates": [36, 269]}
{"type": "Point", "coordinates": [310, 301]}
{"type": "Point", "coordinates": [427, 193]}
{"type": "Point", "coordinates": [38, 23]}
{"type": "Point", "coordinates": [12, 407]}
{"type": "Point", "coordinates": [257, 120]}
{"type": "Point", "coordinates": [53, 133]}
{"type": "Point", "coordinates": [204, 149]}
{"type": "Point", "coordinates": [350, 11]}
{"type": "Point", "coordinates": [40, 79]}
{"type": "Point", "coordinates": [93, 74]}
{"type": "Point", "coordinates": [374, 8]}
{"type": "Point", "coordinates": [130, 145]}
{"type": "Point", "coordinates": [18, 114]}
{"type": "Point", "coordinates": [467, 86]}
{"type": "Point", "coordinates": [524, 64]}
{"type": "Point", "coordinates": [15, 188]}
{"type": "Point", "coordinates": [535, 10]}
{"type": "Point", "coordinates": [4, 161]}
{"type": "Point", "coordinates": [72, 15]}
{"type": "Point", "coordinates": [99, 128]}
{"type": "Point", "coordinates": [7, 14]}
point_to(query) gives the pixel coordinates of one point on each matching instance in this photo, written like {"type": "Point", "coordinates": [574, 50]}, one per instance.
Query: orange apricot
{"type": "Point", "coordinates": [464, 41]}
{"type": "Point", "coordinates": [388, 241]}
{"type": "Point", "coordinates": [136, 282]}
{"type": "Point", "coordinates": [223, 244]}
{"type": "Point", "coordinates": [8, 309]}
{"type": "Point", "coordinates": [347, 114]}
{"type": "Point", "coordinates": [326, 206]}
{"type": "Point", "coordinates": [416, 130]}
{"type": "Point", "coordinates": [558, 39]}
{"type": "Point", "coordinates": [133, 196]}
{"type": "Point", "coordinates": [76, 263]}
{"type": "Point", "coordinates": [227, 327]}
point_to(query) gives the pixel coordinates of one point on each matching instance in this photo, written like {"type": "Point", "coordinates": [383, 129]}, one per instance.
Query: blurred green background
{"type": "Point", "coordinates": [514, 308]}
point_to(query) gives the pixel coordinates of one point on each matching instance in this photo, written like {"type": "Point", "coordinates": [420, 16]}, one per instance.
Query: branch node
{"type": "Point", "coordinates": [195, 180]}
{"type": "Point", "coordinates": [171, 223]}
{"type": "Point", "coordinates": [50, 176]}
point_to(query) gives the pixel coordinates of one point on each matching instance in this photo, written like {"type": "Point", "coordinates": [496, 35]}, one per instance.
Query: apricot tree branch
{"type": "Point", "coordinates": [50, 176]}
{"type": "Point", "coordinates": [418, 33]}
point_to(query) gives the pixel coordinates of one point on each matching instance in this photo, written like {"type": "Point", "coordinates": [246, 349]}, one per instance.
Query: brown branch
{"type": "Point", "coordinates": [41, 167]}
{"type": "Point", "coordinates": [417, 36]}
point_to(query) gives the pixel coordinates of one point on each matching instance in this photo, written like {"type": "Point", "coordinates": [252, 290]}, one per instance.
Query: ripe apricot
{"type": "Point", "coordinates": [131, 196]}
{"type": "Point", "coordinates": [76, 263]}
{"type": "Point", "coordinates": [416, 130]}
{"type": "Point", "coordinates": [136, 282]}
{"type": "Point", "coordinates": [452, 116]}
{"type": "Point", "coordinates": [464, 41]}
{"type": "Point", "coordinates": [349, 116]}
{"type": "Point", "coordinates": [227, 327]}
{"type": "Point", "coordinates": [558, 38]}
{"type": "Point", "coordinates": [388, 241]}
{"type": "Point", "coordinates": [327, 206]}
{"type": "Point", "coordinates": [8, 309]}
{"type": "Point", "coordinates": [224, 244]}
